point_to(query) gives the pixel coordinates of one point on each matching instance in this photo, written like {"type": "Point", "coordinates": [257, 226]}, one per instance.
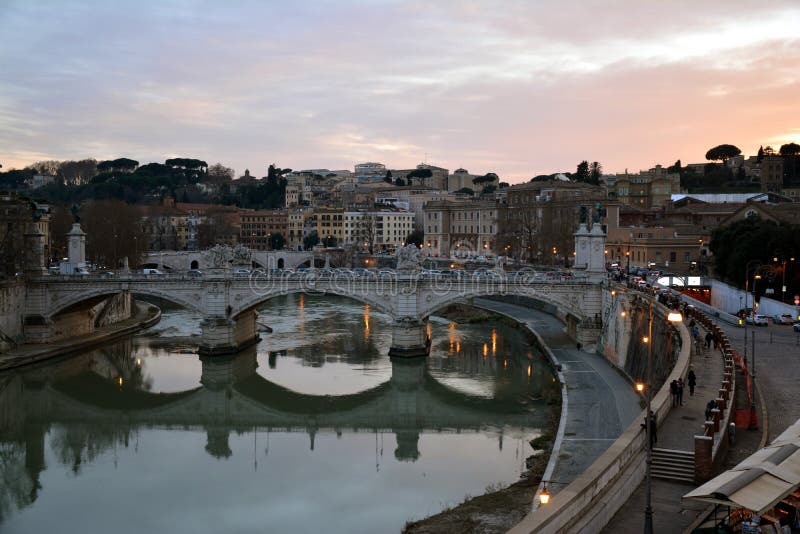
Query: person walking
{"type": "Point", "coordinates": [680, 391]}
{"type": "Point", "coordinates": [653, 430]}
{"type": "Point", "coordinates": [691, 379]}
{"type": "Point", "coordinates": [673, 389]}
{"type": "Point", "coordinates": [709, 337]}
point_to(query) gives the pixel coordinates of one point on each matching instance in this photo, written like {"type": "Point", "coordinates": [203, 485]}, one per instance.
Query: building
{"type": "Point", "coordinates": [461, 179]}
{"type": "Point", "coordinates": [370, 172]}
{"type": "Point", "coordinates": [39, 180]}
{"type": "Point", "coordinates": [411, 199]}
{"type": "Point", "coordinates": [328, 223]}
{"type": "Point", "coordinates": [423, 175]}
{"type": "Point", "coordinates": [24, 235]}
{"type": "Point", "coordinates": [257, 228]}
{"type": "Point", "coordinates": [377, 230]}
{"type": "Point", "coordinates": [539, 219]}
{"type": "Point", "coordinates": [296, 227]}
{"type": "Point", "coordinates": [460, 229]}
{"type": "Point", "coordinates": [648, 189]}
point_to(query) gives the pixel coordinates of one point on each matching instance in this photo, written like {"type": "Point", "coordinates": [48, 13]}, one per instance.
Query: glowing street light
{"type": "Point", "coordinates": [640, 387]}
{"type": "Point", "coordinates": [544, 495]}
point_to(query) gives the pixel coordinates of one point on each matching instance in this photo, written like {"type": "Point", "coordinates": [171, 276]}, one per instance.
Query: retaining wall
{"type": "Point", "coordinates": [12, 309]}
{"type": "Point", "coordinates": [588, 503]}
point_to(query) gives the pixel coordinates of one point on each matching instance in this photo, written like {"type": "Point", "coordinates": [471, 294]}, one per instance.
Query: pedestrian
{"type": "Point", "coordinates": [653, 429]}
{"type": "Point", "coordinates": [680, 391]}
{"type": "Point", "coordinates": [691, 379]}
{"type": "Point", "coordinates": [695, 333]}
{"type": "Point", "coordinates": [709, 337]}
{"type": "Point", "coordinates": [673, 389]}
{"type": "Point", "coordinates": [716, 341]}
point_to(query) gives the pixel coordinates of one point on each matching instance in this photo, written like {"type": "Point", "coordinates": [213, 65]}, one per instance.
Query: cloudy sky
{"type": "Point", "coordinates": [515, 87]}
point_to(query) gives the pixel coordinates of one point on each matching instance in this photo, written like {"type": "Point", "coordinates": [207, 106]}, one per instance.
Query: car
{"type": "Point", "coordinates": [107, 274]}
{"type": "Point", "coordinates": [757, 320]}
{"type": "Point", "coordinates": [156, 272]}
{"type": "Point", "coordinates": [782, 318]}
{"type": "Point", "coordinates": [194, 273]}
{"type": "Point", "coordinates": [241, 272]}
{"type": "Point", "coordinates": [796, 327]}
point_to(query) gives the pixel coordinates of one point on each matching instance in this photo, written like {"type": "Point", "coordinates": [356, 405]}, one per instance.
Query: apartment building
{"type": "Point", "coordinates": [460, 229]}
{"type": "Point", "coordinates": [648, 189]}
{"type": "Point", "coordinates": [378, 230]}
{"type": "Point", "coordinates": [257, 227]}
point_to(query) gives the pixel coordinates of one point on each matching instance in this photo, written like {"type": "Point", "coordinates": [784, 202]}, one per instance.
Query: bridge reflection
{"type": "Point", "coordinates": [100, 400]}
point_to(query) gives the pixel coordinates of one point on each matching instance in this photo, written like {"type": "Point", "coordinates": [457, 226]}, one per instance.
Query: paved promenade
{"type": "Point", "coordinates": [601, 402]}
{"type": "Point", "coordinates": [677, 431]}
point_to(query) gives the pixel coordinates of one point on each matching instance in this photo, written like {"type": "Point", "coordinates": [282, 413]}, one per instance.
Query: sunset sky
{"type": "Point", "coordinates": [515, 87]}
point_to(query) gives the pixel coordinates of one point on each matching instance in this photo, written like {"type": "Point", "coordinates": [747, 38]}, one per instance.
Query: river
{"type": "Point", "coordinates": [313, 429]}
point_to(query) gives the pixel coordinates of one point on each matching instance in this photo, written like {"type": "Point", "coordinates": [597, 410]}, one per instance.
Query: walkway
{"type": "Point", "coordinates": [677, 431]}
{"type": "Point", "coordinates": [601, 401]}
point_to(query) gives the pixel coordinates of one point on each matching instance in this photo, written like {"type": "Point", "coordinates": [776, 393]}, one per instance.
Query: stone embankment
{"type": "Point", "coordinates": [145, 315]}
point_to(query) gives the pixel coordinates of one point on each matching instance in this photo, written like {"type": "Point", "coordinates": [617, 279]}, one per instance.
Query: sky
{"type": "Point", "coordinates": [519, 88]}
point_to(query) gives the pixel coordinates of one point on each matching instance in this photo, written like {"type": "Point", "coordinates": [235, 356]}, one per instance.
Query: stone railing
{"type": "Point", "coordinates": [711, 447]}
{"type": "Point", "coordinates": [591, 500]}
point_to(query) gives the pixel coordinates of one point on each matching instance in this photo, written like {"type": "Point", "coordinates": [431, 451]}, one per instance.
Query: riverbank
{"type": "Point", "coordinates": [466, 314]}
{"type": "Point", "coordinates": [146, 316]}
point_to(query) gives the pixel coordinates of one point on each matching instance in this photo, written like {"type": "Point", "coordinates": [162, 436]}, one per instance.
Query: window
{"type": "Point", "coordinates": [687, 257]}
{"type": "Point", "coordinates": [673, 257]}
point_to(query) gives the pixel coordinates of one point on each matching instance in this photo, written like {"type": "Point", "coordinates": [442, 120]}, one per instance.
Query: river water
{"type": "Point", "coordinates": [313, 429]}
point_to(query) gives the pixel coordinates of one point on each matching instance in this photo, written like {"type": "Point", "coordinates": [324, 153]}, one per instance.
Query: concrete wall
{"type": "Point", "coordinates": [730, 299]}
{"type": "Point", "coordinates": [12, 309]}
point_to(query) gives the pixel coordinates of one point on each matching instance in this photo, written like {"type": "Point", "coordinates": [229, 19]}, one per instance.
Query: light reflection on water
{"type": "Point", "coordinates": [314, 428]}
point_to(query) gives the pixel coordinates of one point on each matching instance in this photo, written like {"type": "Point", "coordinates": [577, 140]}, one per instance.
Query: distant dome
{"type": "Point", "coordinates": [461, 171]}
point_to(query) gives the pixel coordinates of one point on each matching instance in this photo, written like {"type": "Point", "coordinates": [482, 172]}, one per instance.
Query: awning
{"type": "Point", "coordinates": [762, 480]}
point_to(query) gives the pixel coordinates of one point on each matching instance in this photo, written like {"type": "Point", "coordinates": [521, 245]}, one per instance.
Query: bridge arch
{"type": "Point", "coordinates": [75, 298]}
{"type": "Point", "coordinates": [563, 304]}
{"type": "Point", "coordinates": [382, 305]}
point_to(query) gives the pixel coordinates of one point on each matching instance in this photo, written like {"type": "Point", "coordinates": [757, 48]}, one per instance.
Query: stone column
{"type": "Point", "coordinates": [222, 335]}
{"type": "Point", "coordinates": [35, 261]}
{"type": "Point", "coordinates": [703, 461]}
{"type": "Point", "coordinates": [409, 338]}
{"type": "Point", "coordinates": [581, 247]}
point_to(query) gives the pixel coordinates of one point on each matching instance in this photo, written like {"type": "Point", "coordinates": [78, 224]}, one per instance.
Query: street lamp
{"type": "Point", "coordinates": [673, 317]}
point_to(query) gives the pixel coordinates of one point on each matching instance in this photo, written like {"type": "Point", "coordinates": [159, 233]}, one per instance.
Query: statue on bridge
{"type": "Point", "coordinates": [220, 256]}
{"type": "Point", "coordinates": [241, 255]}
{"type": "Point", "coordinates": [409, 258]}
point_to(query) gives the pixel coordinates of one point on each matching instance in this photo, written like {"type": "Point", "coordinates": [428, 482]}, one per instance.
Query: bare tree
{"type": "Point", "coordinates": [113, 232]}
{"type": "Point", "coordinates": [366, 232]}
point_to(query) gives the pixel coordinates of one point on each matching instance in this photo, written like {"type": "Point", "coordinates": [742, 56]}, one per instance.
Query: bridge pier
{"type": "Point", "coordinates": [223, 335]}
{"type": "Point", "coordinates": [409, 338]}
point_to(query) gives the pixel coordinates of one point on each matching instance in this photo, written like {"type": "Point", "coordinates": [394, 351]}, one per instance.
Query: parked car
{"type": "Point", "coordinates": [194, 273]}
{"type": "Point", "coordinates": [782, 318]}
{"type": "Point", "coordinates": [241, 272]}
{"type": "Point", "coordinates": [757, 320]}
{"type": "Point", "coordinates": [796, 327]}
{"type": "Point", "coordinates": [156, 272]}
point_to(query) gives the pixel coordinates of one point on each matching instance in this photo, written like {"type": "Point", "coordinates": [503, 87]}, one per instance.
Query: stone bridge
{"type": "Point", "coordinates": [228, 302]}
{"type": "Point", "coordinates": [177, 260]}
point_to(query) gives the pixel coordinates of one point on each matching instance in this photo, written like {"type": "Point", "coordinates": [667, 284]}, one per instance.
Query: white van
{"type": "Point", "coordinates": [152, 271]}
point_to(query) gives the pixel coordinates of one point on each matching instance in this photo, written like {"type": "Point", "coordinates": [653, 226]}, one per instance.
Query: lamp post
{"type": "Point", "coordinates": [673, 317]}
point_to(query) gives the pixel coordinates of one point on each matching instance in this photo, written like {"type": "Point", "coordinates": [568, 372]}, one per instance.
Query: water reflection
{"type": "Point", "coordinates": [90, 426]}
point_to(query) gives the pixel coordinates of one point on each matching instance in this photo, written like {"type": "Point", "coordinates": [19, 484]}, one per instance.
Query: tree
{"type": "Point", "coordinates": [417, 237]}
{"type": "Point", "coordinates": [789, 149]}
{"type": "Point", "coordinates": [722, 153]}
{"type": "Point", "coordinates": [60, 223]}
{"type": "Point", "coordinates": [113, 231]}
{"type": "Point", "coordinates": [399, 182]}
{"type": "Point", "coordinates": [310, 240]}
{"type": "Point", "coordinates": [488, 189]}
{"type": "Point", "coordinates": [760, 155]}
{"type": "Point", "coordinates": [120, 164]}
{"type": "Point", "coordinates": [77, 172]}
{"type": "Point", "coordinates": [466, 191]}
{"type": "Point", "coordinates": [582, 172]}
{"type": "Point", "coordinates": [503, 185]}
{"type": "Point", "coordinates": [419, 173]}
{"type": "Point", "coordinates": [487, 178]}
{"type": "Point", "coordinates": [388, 178]}
{"type": "Point", "coordinates": [329, 241]}
{"type": "Point", "coordinates": [48, 167]}
{"type": "Point", "coordinates": [219, 174]}
{"type": "Point", "coordinates": [595, 173]}
{"type": "Point", "coordinates": [769, 151]}
{"type": "Point", "coordinates": [276, 241]}
{"type": "Point", "coordinates": [366, 232]}
{"type": "Point", "coordinates": [676, 167]}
